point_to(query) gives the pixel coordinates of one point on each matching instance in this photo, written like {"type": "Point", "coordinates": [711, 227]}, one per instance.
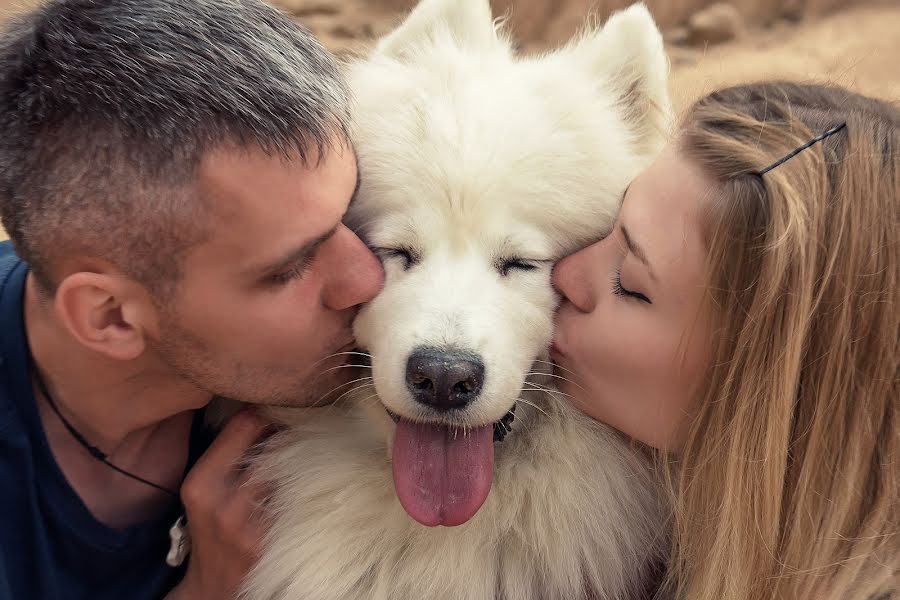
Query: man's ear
{"type": "Point", "coordinates": [627, 54]}
{"type": "Point", "coordinates": [106, 312]}
{"type": "Point", "coordinates": [468, 21]}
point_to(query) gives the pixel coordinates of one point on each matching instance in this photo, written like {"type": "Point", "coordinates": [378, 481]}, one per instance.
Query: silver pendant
{"type": "Point", "coordinates": [181, 543]}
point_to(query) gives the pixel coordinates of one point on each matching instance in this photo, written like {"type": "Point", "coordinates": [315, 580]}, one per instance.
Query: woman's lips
{"type": "Point", "coordinates": [555, 350]}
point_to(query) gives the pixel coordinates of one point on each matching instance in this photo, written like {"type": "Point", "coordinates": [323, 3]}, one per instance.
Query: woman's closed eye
{"type": "Point", "coordinates": [619, 290]}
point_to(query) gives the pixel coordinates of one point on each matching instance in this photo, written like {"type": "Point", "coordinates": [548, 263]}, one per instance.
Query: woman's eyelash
{"type": "Point", "coordinates": [618, 290]}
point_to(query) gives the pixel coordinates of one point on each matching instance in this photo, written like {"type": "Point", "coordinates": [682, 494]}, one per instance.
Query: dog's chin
{"type": "Point", "coordinates": [442, 471]}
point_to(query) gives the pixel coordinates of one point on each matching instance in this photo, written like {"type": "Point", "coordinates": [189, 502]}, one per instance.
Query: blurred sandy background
{"type": "Point", "coordinates": [850, 42]}
{"type": "Point", "coordinates": [854, 43]}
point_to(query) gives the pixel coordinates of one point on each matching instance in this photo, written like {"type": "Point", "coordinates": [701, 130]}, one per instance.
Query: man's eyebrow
{"type": "Point", "coordinates": [637, 250]}
{"type": "Point", "coordinates": [305, 251]}
{"type": "Point", "coordinates": [302, 253]}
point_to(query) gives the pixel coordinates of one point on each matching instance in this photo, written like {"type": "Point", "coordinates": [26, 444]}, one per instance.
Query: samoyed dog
{"type": "Point", "coordinates": [453, 471]}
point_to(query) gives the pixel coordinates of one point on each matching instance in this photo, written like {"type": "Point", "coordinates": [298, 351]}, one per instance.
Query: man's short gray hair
{"type": "Point", "coordinates": [108, 106]}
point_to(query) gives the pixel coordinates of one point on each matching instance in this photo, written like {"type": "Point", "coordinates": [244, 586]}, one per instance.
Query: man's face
{"type": "Point", "coordinates": [266, 303]}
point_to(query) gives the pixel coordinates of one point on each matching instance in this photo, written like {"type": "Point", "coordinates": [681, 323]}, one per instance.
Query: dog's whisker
{"type": "Point", "coordinates": [536, 387]}
{"type": "Point", "coordinates": [538, 390]}
{"type": "Point", "coordinates": [331, 405]}
{"type": "Point", "coordinates": [356, 389]}
{"type": "Point", "coordinates": [552, 393]}
{"type": "Point", "coordinates": [343, 385]}
{"type": "Point", "coordinates": [367, 398]}
{"type": "Point", "coordinates": [522, 422]}
{"type": "Point", "coordinates": [535, 406]}
{"type": "Point", "coordinates": [566, 379]}
{"type": "Point", "coordinates": [532, 404]}
{"type": "Point", "coordinates": [556, 365]}
{"type": "Point", "coordinates": [327, 408]}
{"type": "Point", "coordinates": [347, 353]}
{"type": "Point", "coordinates": [354, 353]}
{"type": "Point", "coordinates": [348, 366]}
{"type": "Point", "coordinates": [323, 399]}
{"type": "Point", "coordinates": [326, 371]}
{"type": "Point", "coordinates": [553, 396]}
{"type": "Point", "coordinates": [371, 381]}
{"type": "Point", "coordinates": [329, 357]}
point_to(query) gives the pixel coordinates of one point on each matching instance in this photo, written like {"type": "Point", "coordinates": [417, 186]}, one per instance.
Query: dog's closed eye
{"type": "Point", "coordinates": [505, 265]}
{"type": "Point", "coordinates": [408, 256]}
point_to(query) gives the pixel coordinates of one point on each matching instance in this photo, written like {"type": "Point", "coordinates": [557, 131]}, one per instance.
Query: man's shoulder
{"type": "Point", "coordinates": [13, 272]}
{"type": "Point", "coordinates": [14, 381]}
{"type": "Point", "coordinates": [7, 251]}
{"type": "Point", "coordinates": [9, 260]}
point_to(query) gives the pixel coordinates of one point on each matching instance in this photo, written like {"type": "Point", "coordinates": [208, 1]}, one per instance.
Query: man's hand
{"type": "Point", "coordinates": [220, 505]}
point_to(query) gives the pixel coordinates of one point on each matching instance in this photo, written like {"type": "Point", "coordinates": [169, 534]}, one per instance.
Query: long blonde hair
{"type": "Point", "coordinates": [787, 485]}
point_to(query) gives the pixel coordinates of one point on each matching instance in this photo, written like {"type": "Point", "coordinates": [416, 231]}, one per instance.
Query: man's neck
{"type": "Point", "coordinates": [137, 412]}
{"type": "Point", "coordinates": [107, 400]}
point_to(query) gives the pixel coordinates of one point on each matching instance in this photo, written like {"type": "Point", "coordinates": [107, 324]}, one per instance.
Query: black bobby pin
{"type": "Point", "coordinates": [794, 153]}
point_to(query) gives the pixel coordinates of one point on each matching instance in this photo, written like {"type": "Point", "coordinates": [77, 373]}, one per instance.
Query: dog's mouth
{"type": "Point", "coordinates": [502, 427]}
{"type": "Point", "coordinates": [443, 473]}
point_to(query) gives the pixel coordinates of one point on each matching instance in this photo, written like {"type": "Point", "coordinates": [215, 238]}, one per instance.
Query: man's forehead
{"type": "Point", "coordinates": [234, 171]}
{"type": "Point", "coordinates": [228, 178]}
{"type": "Point", "coordinates": [261, 204]}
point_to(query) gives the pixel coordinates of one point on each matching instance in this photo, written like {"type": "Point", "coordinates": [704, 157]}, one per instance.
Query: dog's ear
{"type": "Point", "coordinates": [628, 54]}
{"type": "Point", "coordinates": [468, 21]}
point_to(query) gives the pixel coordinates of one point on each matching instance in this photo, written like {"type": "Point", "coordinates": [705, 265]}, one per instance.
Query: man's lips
{"type": "Point", "coordinates": [348, 346]}
{"type": "Point", "coordinates": [342, 350]}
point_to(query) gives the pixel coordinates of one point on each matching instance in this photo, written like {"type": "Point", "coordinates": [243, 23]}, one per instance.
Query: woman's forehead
{"type": "Point", "coordinates": [662, 213]}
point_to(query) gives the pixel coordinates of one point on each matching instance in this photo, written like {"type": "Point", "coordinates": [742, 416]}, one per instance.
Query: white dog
{"type": "Point", "coordinates": [479, 170]}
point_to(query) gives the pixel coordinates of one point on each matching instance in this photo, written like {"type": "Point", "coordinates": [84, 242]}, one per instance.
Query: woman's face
{"type": "Point", "coordinates": [630, 336]}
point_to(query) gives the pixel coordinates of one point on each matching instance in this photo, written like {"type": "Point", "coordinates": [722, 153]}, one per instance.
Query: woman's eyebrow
{"type": "Point", "coordinates": [637, 250]}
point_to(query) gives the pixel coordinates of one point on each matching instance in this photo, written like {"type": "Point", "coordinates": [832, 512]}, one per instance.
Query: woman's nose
{"type": "Point", "coordinates": [571, 278]}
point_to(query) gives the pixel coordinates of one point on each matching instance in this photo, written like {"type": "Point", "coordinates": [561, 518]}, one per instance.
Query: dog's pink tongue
{"type": "Point", "coordinates": [442, 475]}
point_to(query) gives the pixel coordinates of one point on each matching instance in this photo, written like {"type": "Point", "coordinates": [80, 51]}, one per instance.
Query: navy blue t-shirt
{"type": "Point", "coordinates": [51, 546]}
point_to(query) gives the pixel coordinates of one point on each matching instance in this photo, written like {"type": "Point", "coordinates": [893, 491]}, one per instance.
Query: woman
{"type": "Point", "coordinates": [743, 319]}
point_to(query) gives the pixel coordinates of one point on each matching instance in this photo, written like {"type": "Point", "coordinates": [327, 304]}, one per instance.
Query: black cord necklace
{"type": "Point", "coordinates": [93, 450]}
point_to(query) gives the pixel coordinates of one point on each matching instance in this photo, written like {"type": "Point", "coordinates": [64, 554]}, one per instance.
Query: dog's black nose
{"type": "Point", "coordinates": [444, 379]}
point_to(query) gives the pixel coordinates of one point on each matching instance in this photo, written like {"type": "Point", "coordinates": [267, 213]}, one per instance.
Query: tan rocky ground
{"type": "Point", "coordinates": [857, 47]}
{"type": "Point", "coordinates": [856, 44]}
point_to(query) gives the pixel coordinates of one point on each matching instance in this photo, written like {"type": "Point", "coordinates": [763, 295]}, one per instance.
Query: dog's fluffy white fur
{"type": "Point", "coordinates": [473, 159]}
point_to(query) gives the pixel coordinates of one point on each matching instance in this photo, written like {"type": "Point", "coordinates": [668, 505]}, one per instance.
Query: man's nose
{"type": "Point", "coordinates": [357, 274]}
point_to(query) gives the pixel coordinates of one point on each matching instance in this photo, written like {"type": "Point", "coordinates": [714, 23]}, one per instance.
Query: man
{"type": "Point", "coordinates": [173, 175]}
